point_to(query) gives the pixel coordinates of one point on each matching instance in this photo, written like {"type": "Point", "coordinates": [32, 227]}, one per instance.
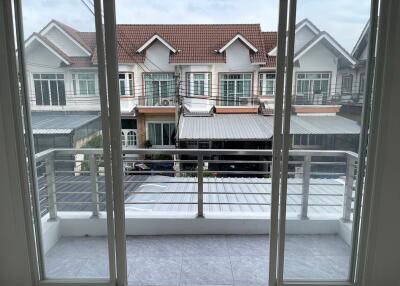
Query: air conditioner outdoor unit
{"type": "Point", "coordinates": [165, 102]}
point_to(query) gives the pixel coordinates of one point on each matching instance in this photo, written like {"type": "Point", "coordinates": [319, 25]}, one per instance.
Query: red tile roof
{"type": "Point", "coordinates": [194, 43]}
{"type": "Point", "coordinates": [270, 41]}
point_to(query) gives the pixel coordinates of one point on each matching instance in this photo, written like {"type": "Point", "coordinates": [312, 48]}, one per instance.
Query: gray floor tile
{"type": "Point", "coordinates": [63, 267]}
{"type": "Point", "coordinates": [95, 268]}
{"type": "Point", "coordinates": [316, 267]}
{"type": "Point", "coordinates": [245, 245]}
{"type": "Point", "coordinates": [330, 245]}
{"type": "Point", "coordinates": [250, 270]}
{"type": "Point", "coordinates": [154, 246]}
{"type": "Point", "coordinates": [201, 259]}
{"type": "Point", "coordinates": [205, 245]}
{"type": "Point", "coordinates": [154, 270]}
{"type": "Point", "coordinates": [206, 270]}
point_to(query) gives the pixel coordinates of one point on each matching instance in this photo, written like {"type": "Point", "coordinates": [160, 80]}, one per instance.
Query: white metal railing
{"type": "Point", "coordinates": [59, 174]}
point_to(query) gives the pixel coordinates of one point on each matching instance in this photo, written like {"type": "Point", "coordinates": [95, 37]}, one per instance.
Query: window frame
{"type": "Point", "coordinates": [311, 83]}
{"type": "Point", "coordinates": [129, 81]}
{"type": "Point", "coordinates": [162, 123]}
{"type": "Point", "coordinates": [207, 91]}
{"type": "Point", "coordinates": [76, 83]}
{"type": "Point", "coordinates": [236, 95]}
{"type": "Point", "coordinates": [263, 84]}
{"type": "Point", "coordinates": [48, 81]}
{"type": "Point", "coordinates": [347, 89]}
{"type": "Point", "coordinates": [157, 99]}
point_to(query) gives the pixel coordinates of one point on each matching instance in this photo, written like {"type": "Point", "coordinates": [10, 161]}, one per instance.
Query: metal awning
{"type": "Point", "coordinates": [226, 127]}
{"type": "Point", "coordinates": [59, 123]}
{"type": "Point", "coordinates": [323, 124]}
{"type": "Point", "coordinates": [259, 127]}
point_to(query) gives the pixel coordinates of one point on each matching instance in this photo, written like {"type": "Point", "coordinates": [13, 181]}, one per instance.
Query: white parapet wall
{"type": "Point", "coordinates": [83, 224]}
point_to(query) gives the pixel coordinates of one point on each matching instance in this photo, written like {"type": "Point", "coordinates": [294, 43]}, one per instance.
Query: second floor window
{"type": "Point", "coordinates": [347, 83]}
{"type": "Point", "coordinates": [159, 86]}
{"type": "Point", "coordinates": [198, 84]}
{"type": "Point", "coordinates": [267, 84]}
{"type": "Point", "coordinates": [161, 133]}
{"type": "Point", "coordinates": [126, 84]}
{"type": "Point", "coordinates": [312, 84]}
{"type": "Point", "coordinates": [235, 88]}
{"type": "Point", "coordinates": [84, 83]}
{"type": "Point", "coordinates": [49, 89]}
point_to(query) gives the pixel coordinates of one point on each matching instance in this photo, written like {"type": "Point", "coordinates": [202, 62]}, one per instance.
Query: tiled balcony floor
{"type": "Point", "coordinates": [201, 259]}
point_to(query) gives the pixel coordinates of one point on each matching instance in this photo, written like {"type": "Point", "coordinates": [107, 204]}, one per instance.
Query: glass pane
{"type": "Point", "coordinates": [161, 186]}
{"type": "Point", "coordinates": [45, 92]}
{"type": "Point", "coordinates": [122, 87]}
{"type": "Point", "coordinates": [83, 87]}
{"type": "Point", "coordinates": [320, 186]}
{"type": "Point", "coordinates": [91, 87]}
{"type": "Point", "coordinates": [67, 129]}
{"type": "Point", "coordinates": [38, 92]}
{"type": "Point", "coordinates": [61, 92]}
{"type": "Point", "coordinates": [54, 92]}
{"type": "Point", "coordinates": [166, 134]}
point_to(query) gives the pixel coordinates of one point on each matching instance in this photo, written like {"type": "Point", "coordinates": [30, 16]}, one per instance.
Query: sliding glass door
{"type": "Point", "coordinates": [225, 196]}
{"type": "Point", "coordinates": [69, 140]}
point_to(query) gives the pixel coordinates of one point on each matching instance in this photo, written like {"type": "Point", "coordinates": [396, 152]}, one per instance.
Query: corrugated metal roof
{"type": "Point", "coordinates": [226, 127]}
{"type": "Point", "coordinates": [329, 124]}
{"type": "Point", "coordinates": [63, 123]}
{"type": "Point", "coordinates": [258, 127]}
{"type": "Point", "coordinates": [325, 198]}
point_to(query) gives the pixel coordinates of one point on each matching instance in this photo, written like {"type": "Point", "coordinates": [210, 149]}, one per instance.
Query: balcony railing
{"type": "Point", "coordinates": [198, 180]}
{"type": "Point", "coordinates": [88, 102]}
{"type": "Point", "coordinates": [157, 101]}
{"type": "Point", "coordinates": [325, 99]}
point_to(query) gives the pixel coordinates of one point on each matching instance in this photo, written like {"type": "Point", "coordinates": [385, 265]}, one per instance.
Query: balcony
{"type": "Point", "coordinates": [157, 101]}
{"type": "Point", "coordinates": [197, 217]}
{"type": "Point", "coordinates": [324, 99]}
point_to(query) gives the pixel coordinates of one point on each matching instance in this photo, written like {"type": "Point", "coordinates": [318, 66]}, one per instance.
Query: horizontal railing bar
{"type": "Point", "coordinates": [40, 177]}
{"type": "Point", "coordinates": [73, 182]}
{"type": "Point", "coordinates": [224, 193]}
{"type": "Point", "coordinates": [191, 193]}
{"type": "Point", "coordinates": [65, 171]}
{"type": "Point", "coordinates": [158, 161]}
{"type": "Point", "coordinates": [222, 182]}
{"type": "Point", "coordinates": [80, 203]}
{"type": "Point", "coordinates": [195, 172]}
{"type": "Point", "coordinates": [328, 163]}
{"type": "Point", "coordinates": [75, 193]}
{"type": "Point", "coordinates": [327, 174]}
{"type": "Point", "coordinates": [235, 203]}
{"type": "Point", "coordinates": [69, 160]}
{"type": "Point", "coordinates": [144, 151]}
{"type": "Point", "coordinates": [238, 162]}
{"type": "Point", "coordinates": [43, 188]}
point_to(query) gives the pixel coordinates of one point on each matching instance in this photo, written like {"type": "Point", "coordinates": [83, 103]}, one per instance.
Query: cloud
{"type": "Point", "coordinates": [343, 19]}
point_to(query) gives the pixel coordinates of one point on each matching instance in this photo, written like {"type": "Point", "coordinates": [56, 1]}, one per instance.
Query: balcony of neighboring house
{"type": "Point", "coordinates": [197, 220]}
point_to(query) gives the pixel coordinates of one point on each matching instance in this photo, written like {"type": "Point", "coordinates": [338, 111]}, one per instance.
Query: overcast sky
{"type": "Point", "coordinates": [343, 19]}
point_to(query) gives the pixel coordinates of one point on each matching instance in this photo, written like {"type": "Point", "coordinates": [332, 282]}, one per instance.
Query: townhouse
{"type": "Point", "coordinates": [203, 86]}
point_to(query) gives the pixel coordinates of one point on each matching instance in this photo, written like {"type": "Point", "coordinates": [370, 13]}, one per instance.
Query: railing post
{"type": "Point", "coordinates": [51, 187]}
{"type": "Point", "coordinates": [93, 185]}
{"type": "Point", "coordinates": [200, 185]}
{"type": "Point", "coordinates": [305, 187]}
{"type": "Point", "coordinates": [348, 188]}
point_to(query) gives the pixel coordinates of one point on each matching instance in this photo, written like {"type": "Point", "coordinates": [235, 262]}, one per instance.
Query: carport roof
{"type": "Point", "coordinates": [258, 127]}
{"type": "Point", "coordinates": [63, 123]}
